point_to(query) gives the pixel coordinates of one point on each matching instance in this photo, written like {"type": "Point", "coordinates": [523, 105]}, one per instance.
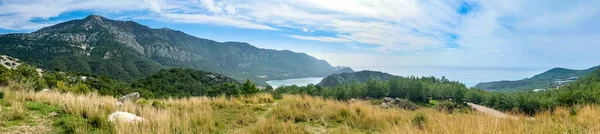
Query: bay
{"type": "Point", "coordinates": [298, 82]}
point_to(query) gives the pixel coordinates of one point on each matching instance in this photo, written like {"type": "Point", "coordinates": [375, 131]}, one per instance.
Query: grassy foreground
{"type": "Point", "coordinates": [25, 111]}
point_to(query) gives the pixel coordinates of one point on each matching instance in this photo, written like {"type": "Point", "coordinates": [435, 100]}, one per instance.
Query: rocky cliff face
{"type": "Point", "coordinates": [102, 46]}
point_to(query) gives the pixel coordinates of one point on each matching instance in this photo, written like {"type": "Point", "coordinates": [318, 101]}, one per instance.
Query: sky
{"type": "Point", "coordinates": [467, 40]}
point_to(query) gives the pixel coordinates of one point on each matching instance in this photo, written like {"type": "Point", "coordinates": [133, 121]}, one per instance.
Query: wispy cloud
{"type": "Point", "coordinates": [322, 38]}
{"type": "Point", "coordinates": [215, 20]}
{"type": "Point", "coordinates": [474, 31]}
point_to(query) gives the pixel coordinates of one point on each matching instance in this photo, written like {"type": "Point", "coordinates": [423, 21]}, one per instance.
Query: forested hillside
{"type": "Point", "coordinates": [549, 79]}
{"type": "Point", "coordinates": [179, 82]}
{"type": "Point", "coordinates": [126, 50]}
{"type": "Point", "coordinates": [348, 77]}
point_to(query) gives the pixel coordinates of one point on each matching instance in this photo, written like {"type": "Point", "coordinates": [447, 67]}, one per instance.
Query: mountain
{"type": "Point", "coordinates": [588, 82]}
{"type": "Point", "coordinates": [343, 70]}
{"type": "Point", "coordinates": [549, 79]}
{"type": "Point", "coordinates": [126, 50]}
{"type": "Point", "coordinates": [360, 76]}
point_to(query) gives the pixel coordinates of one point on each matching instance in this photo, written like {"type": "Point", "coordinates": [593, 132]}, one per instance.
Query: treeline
{"type": "Point", "coordinates": [176, 82]}
{"type": "Point", "coordinates": [586, 90]}
{"type": "Point", "coordinates": [416, 89]}
{"type": "Point", "coordinates": [422, 90]}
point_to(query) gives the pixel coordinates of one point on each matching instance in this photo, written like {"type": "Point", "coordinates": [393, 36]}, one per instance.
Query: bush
{"type": "Point", "coordinates": [158, 104]}
{"type": "Point", "coordinates": [406, 104]}
{"type": "Point", "coordinates": [446, 106]}
{"type": "Point", "coordinates": [1, 95]}
{"type": "Point", "coordinates": [573, 110]}
{"type": "Point", "coordinates": [142, 102]}
{"type": "Point", "coordinates": [419, 120]}
{"type": "Point", "coordinates": [77, 88]}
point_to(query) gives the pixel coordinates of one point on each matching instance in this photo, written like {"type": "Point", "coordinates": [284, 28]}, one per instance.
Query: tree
{"type": "Point", "coordinates": [268, 88]}
{"type": "Point", "coordinates": [415, 91]}
{"type": "Point", "coordinates": [395, 89]}
{"type": "Point", "coordinates": [249, 87]}
{"type": "Point", "coordinates": [376, 88]}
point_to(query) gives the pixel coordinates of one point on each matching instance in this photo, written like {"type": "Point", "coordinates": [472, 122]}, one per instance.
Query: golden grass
{"type": "Point", "coordinates": [299, 114]}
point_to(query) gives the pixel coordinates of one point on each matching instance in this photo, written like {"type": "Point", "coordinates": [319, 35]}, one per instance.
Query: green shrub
{"type": "Point", "coordinates": [142, 102]}
{"type": "Point", "coordinates": [573, 111]}
{"type": "Point", "coordinates": [419, 120]}
{"type": "Point", "coordinates": [446, 106]}
{"type": "Point", "coordinates": [406, 104]}
{"type": "Point", "coordinates": [158, 104]}
{"type": "Point", "coordinates": [77, 88]}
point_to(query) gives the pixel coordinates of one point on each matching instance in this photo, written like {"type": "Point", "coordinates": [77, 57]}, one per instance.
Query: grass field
{"type": "Point", "coordinates": [24, 111]}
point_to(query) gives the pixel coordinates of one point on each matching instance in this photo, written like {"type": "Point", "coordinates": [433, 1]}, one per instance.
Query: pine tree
{"type": "Point", "coordinates": [249, 87]}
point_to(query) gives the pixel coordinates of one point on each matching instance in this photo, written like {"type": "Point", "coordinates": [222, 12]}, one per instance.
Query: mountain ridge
{"type": "Point", "coordinates": [547, 79]}
{"type": "Point", "coordinates": [127, 50]}
{"type": "Point", "coordinates": [359, 76]}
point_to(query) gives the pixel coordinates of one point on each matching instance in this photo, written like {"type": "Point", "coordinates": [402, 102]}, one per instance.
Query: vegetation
{"type": "Point", "coordinates": [347, 75]}
{"type": "Point", "coordinates": [260, 113]}
{"type": "Point", "coordinates": [451, 95]}
{"type": "Point", "coordinates": [544, 80]}
{"type": "Point", "coordinates": [415, 89]}
{"type": "Point", "coordinates": [81, 102]}
{"type": "Point", "coordinates": [179, 82]}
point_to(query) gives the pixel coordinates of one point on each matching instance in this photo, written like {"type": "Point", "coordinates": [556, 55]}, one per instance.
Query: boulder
{"type": "Point", "coordinates": [132, 96]}
{"type": "Point", "coordinates": [45, 90]}
{"type": "Point", "coordinates": [119, 116]}
{"type": "Point", "coordinates": [384, 105]}
{"type": "Point", "coordinates": [387, 99]}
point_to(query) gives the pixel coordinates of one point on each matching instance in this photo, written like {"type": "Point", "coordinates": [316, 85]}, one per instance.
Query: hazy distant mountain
{"type": "Point", "coordinates": [549, 79]}
{"type": "Point", "coordinates": [343, 70]}
{"type": "Point", "coordinates": [126, 50]}
{"type": "Point", "coordinates": [360, 76]}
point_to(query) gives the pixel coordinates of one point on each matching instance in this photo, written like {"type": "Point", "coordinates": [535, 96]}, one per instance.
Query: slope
{"type": "Point", "coordinates": [549, 79]}
{"type": "Point", "coordinates": [126, 50]}
{"type": "Point", "coordinates": [360, 76]}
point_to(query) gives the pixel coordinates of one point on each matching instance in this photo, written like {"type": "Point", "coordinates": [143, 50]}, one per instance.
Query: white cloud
{"type": "Point", "coordinates": [216, 20]}
{"type": "Point", "coordinates": [322, 38]}
{"type": "Point", "coordinates": [505, 32]}
{"type": "Point", "coordinates": [210, 6]}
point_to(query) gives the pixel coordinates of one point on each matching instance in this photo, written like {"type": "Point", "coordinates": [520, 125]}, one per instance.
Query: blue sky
{"type": "Point", "coordinates": [395, 36]}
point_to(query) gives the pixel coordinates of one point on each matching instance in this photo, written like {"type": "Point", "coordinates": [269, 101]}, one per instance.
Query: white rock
{"type": "Point", "coordinates": [119, 116]}
{"type": "Point", "coordinates": [45, 90]}
{"type": "Point", "coordinates": [118, 103]}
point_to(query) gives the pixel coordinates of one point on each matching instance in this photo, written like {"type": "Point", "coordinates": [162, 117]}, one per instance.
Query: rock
{"type": "Point", "coordinates": [118, 103]}
{"type": "Point", "coordinates": [132, 96]}
{"type": "Point", "coordinates": [45, 90]}
{"type": "Point", "coordinates": [119, 116]}
{"type": "Point", "coordinates": [52, 114]}
{"type": "Point", "coordinates": [384, 105]}
{"type": "Point", "coordinates": [387, 99]}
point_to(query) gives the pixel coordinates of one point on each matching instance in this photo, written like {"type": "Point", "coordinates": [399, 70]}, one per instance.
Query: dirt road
{"type": "Point", "coordinates": [490, 111]}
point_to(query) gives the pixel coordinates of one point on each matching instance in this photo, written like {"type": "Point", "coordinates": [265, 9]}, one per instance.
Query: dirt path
{"type": "Point", "coordinates": [490, 111]}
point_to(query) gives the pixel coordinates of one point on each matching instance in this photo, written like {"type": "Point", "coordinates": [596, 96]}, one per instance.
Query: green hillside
{"type": "Point", "coordinates": [126, 50]}
{"type": "Point", "coordinates": [348, 77]}
{"type": "Point", "coordinates": [549, 79]}
{"type": "Point", "coordinates": [178, 82]}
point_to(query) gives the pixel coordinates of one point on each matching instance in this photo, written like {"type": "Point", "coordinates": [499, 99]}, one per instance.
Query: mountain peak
{"type": "Point", "coordinates": [94, 17]}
